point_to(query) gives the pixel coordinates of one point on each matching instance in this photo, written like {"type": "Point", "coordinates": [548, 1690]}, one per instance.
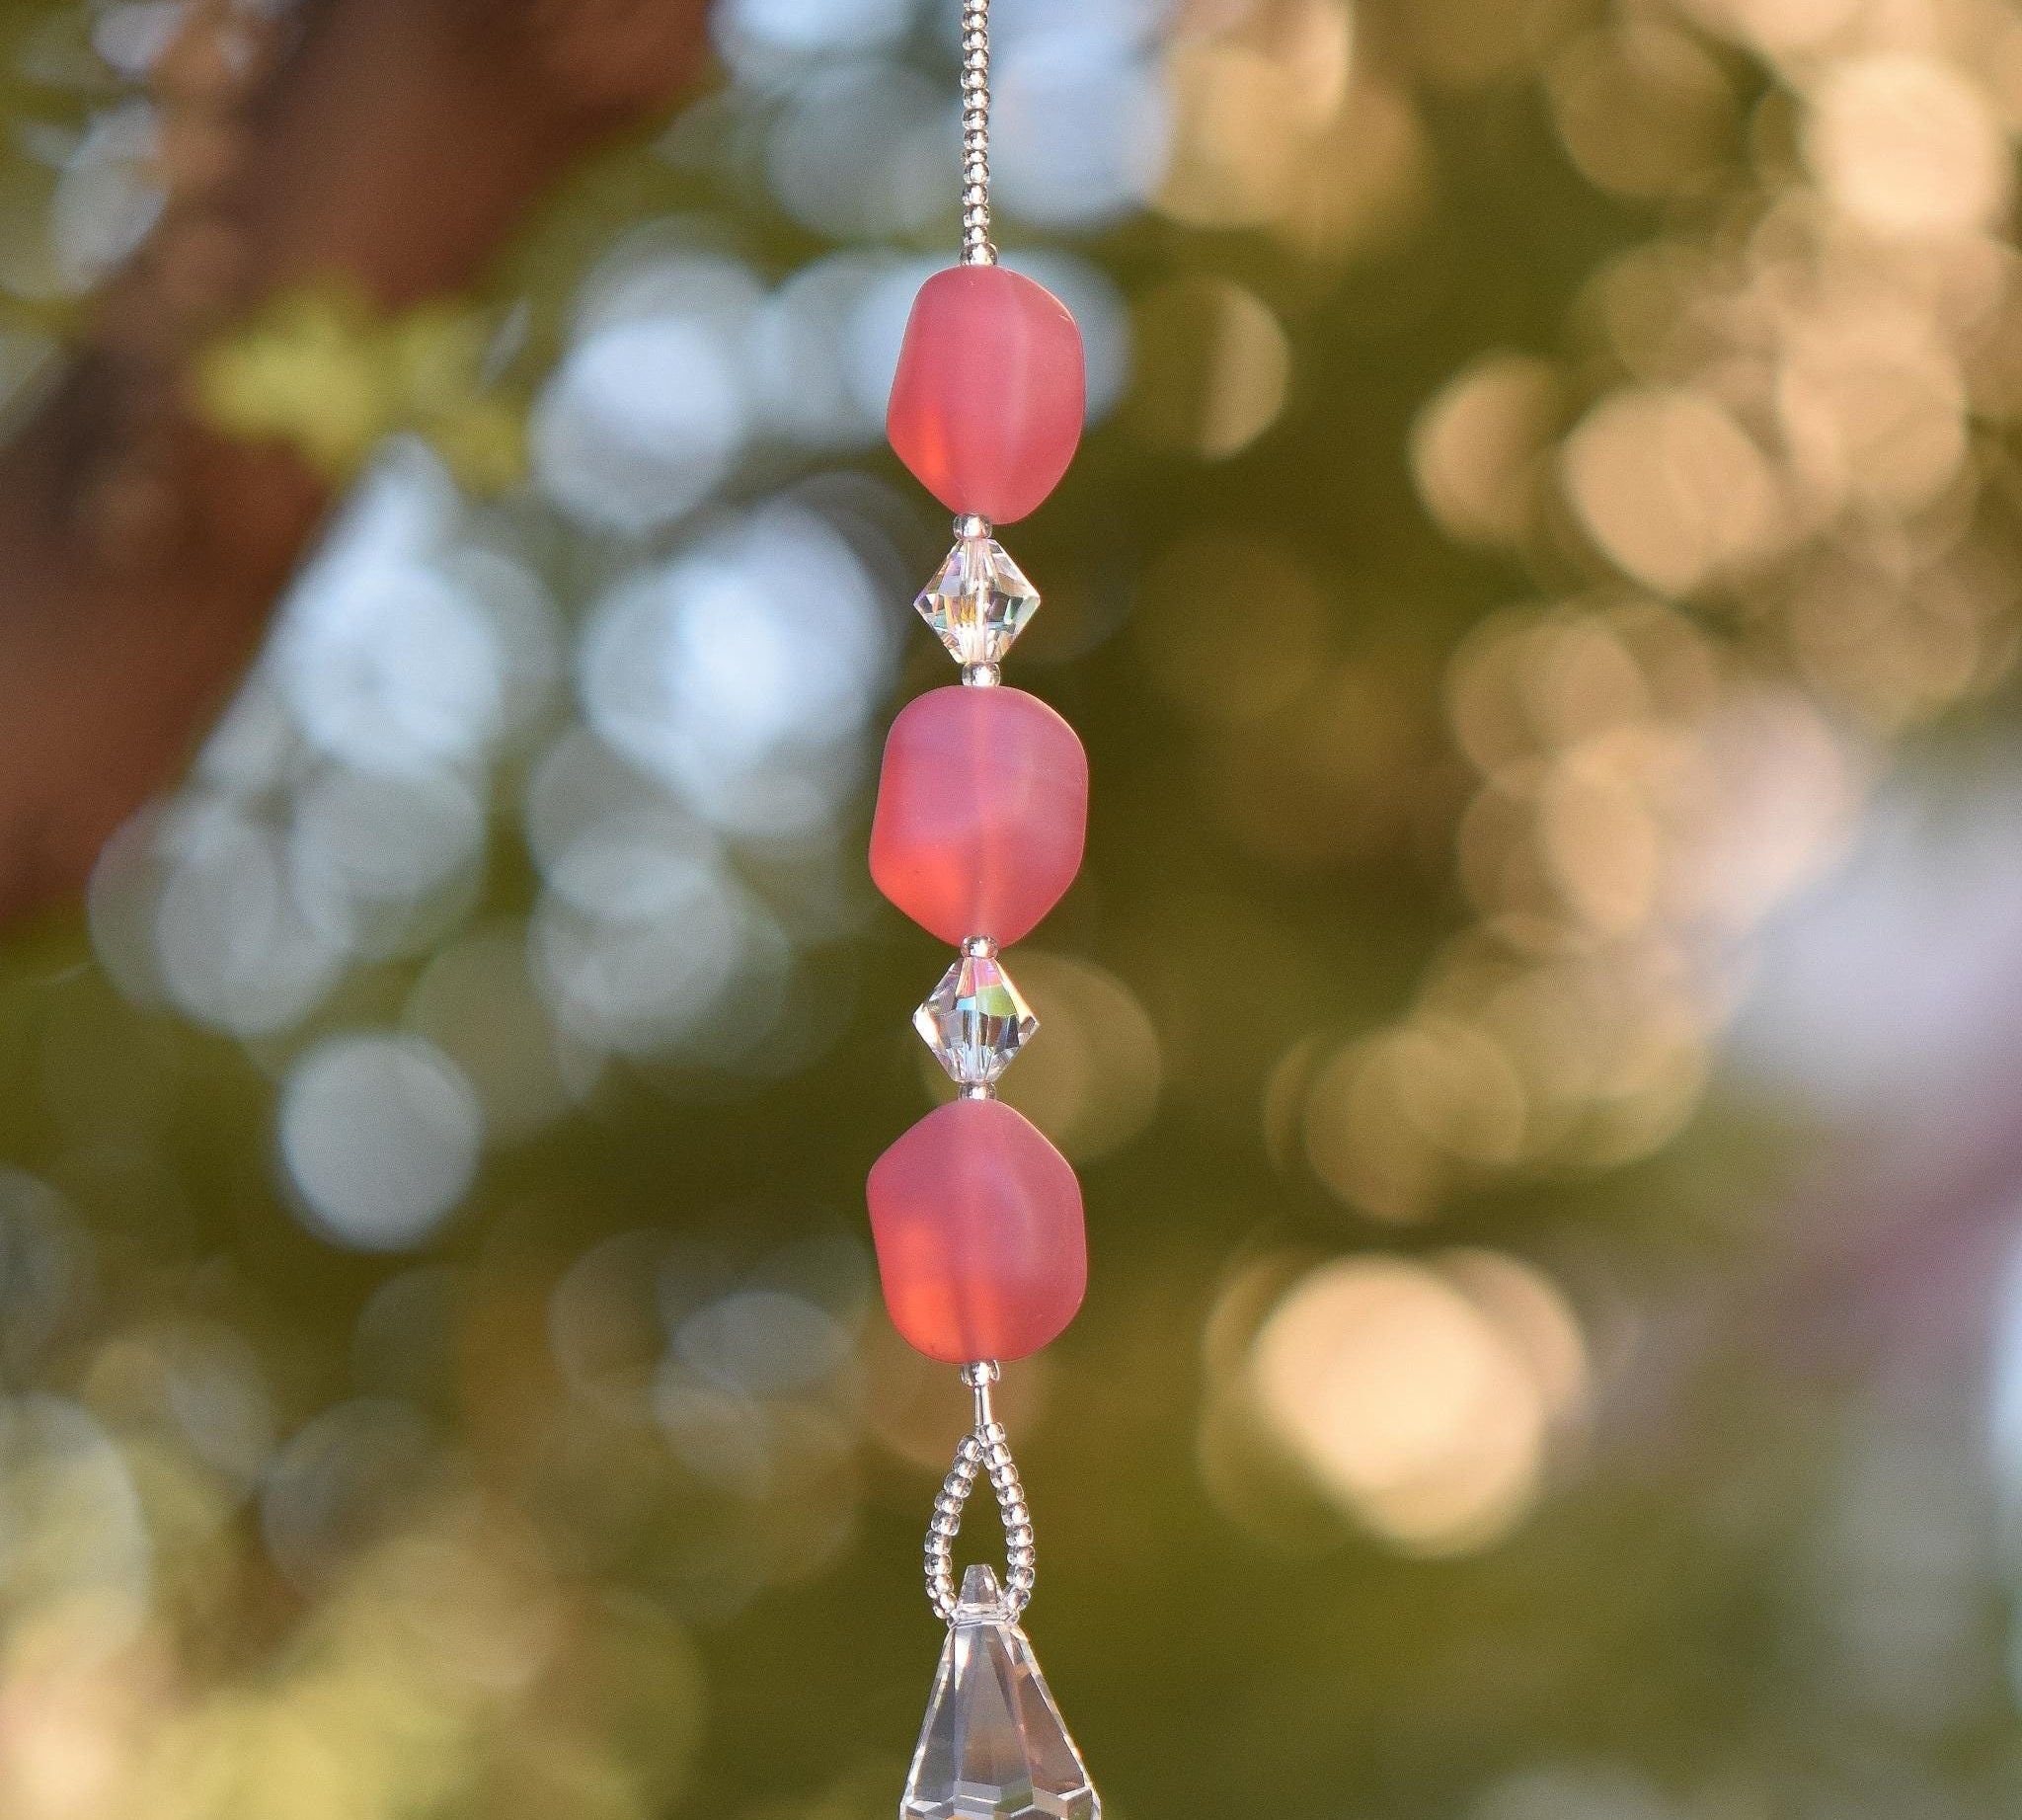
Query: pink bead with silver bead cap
{"type": "Point", "coordinates": [991, 390]}
{"type": "Point", "coordinates": [981, 1244]}
{"type": "Point", "coordinates": [982, 811]}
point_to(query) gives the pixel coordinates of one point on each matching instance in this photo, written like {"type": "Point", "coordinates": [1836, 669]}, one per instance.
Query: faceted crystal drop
{"type": "Point", "coordinates": [993, 1747]}
{"type": "Point", "coordinates": [975, 1021]}
{"type": "Point", "coordinates": [979, 601]}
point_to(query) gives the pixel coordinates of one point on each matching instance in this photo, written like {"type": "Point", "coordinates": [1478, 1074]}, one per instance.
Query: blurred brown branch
{"type": "Point", "coordinates": [391, 145]}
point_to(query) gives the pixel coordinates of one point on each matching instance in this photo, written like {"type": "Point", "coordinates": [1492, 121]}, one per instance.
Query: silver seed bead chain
{"type": "Point", "coordinates": [977, 249]}
{"type": "Point", "coordinates": [984, 1450]}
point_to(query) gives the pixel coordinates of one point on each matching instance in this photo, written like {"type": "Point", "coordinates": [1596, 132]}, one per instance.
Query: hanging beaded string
{"type": "Point", "coordinates": [982, 811]}
{"type": "Point", "coordinates": [982, 807]}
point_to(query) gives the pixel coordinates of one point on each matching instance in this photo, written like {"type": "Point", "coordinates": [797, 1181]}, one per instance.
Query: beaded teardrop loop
{"type": "Point", "coordinates": [985, 1449]}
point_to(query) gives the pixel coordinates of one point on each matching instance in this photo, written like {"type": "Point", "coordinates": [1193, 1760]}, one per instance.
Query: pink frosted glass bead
{"type": "Point", "coordinates": [983, 809]}
{"type": "Point", "coordinates": [980, 1243]}
{"type": "Point", "coordinates": [987, 405]}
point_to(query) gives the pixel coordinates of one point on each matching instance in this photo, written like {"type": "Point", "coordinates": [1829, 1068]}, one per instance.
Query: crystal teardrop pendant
{"type": "Point", "coordinates": [993, 1747]}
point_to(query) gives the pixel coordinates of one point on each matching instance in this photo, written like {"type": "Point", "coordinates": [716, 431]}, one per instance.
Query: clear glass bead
{"type": "Point", "coordinates": [994, 1746]}
{"type": "Point", "coordinates": [975, 1021]}
{"type": "Point", "coordinates": [978, 602]}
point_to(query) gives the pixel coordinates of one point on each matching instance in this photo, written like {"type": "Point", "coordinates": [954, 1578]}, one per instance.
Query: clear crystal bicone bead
{"type": "Point", "coordinates": [975, 1021]}
{"type": "Point", "coordinates": [979, 603]}
{"type": "Point", "coordinates": [994, 1747]}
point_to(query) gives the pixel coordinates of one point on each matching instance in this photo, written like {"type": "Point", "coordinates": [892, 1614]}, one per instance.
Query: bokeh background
{"type": "Point", "coordinates": [1538, 1027]}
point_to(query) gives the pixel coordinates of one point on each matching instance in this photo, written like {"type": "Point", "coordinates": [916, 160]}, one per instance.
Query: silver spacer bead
{"type": "Point", "coordinates": [978, 1089]}
{"type": "Point", "coordinates": [982, 675]}
{"type": "Point", "coordinates": [972, 524]}
{"type": "Point", "coordinates": [979, 948]}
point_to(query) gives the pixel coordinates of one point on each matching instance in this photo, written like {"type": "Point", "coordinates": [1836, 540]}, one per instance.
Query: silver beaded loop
{"type": "Point", "coordinates": [984, 1450]}
{"type": "Point", "coordinates": [977, 249]}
